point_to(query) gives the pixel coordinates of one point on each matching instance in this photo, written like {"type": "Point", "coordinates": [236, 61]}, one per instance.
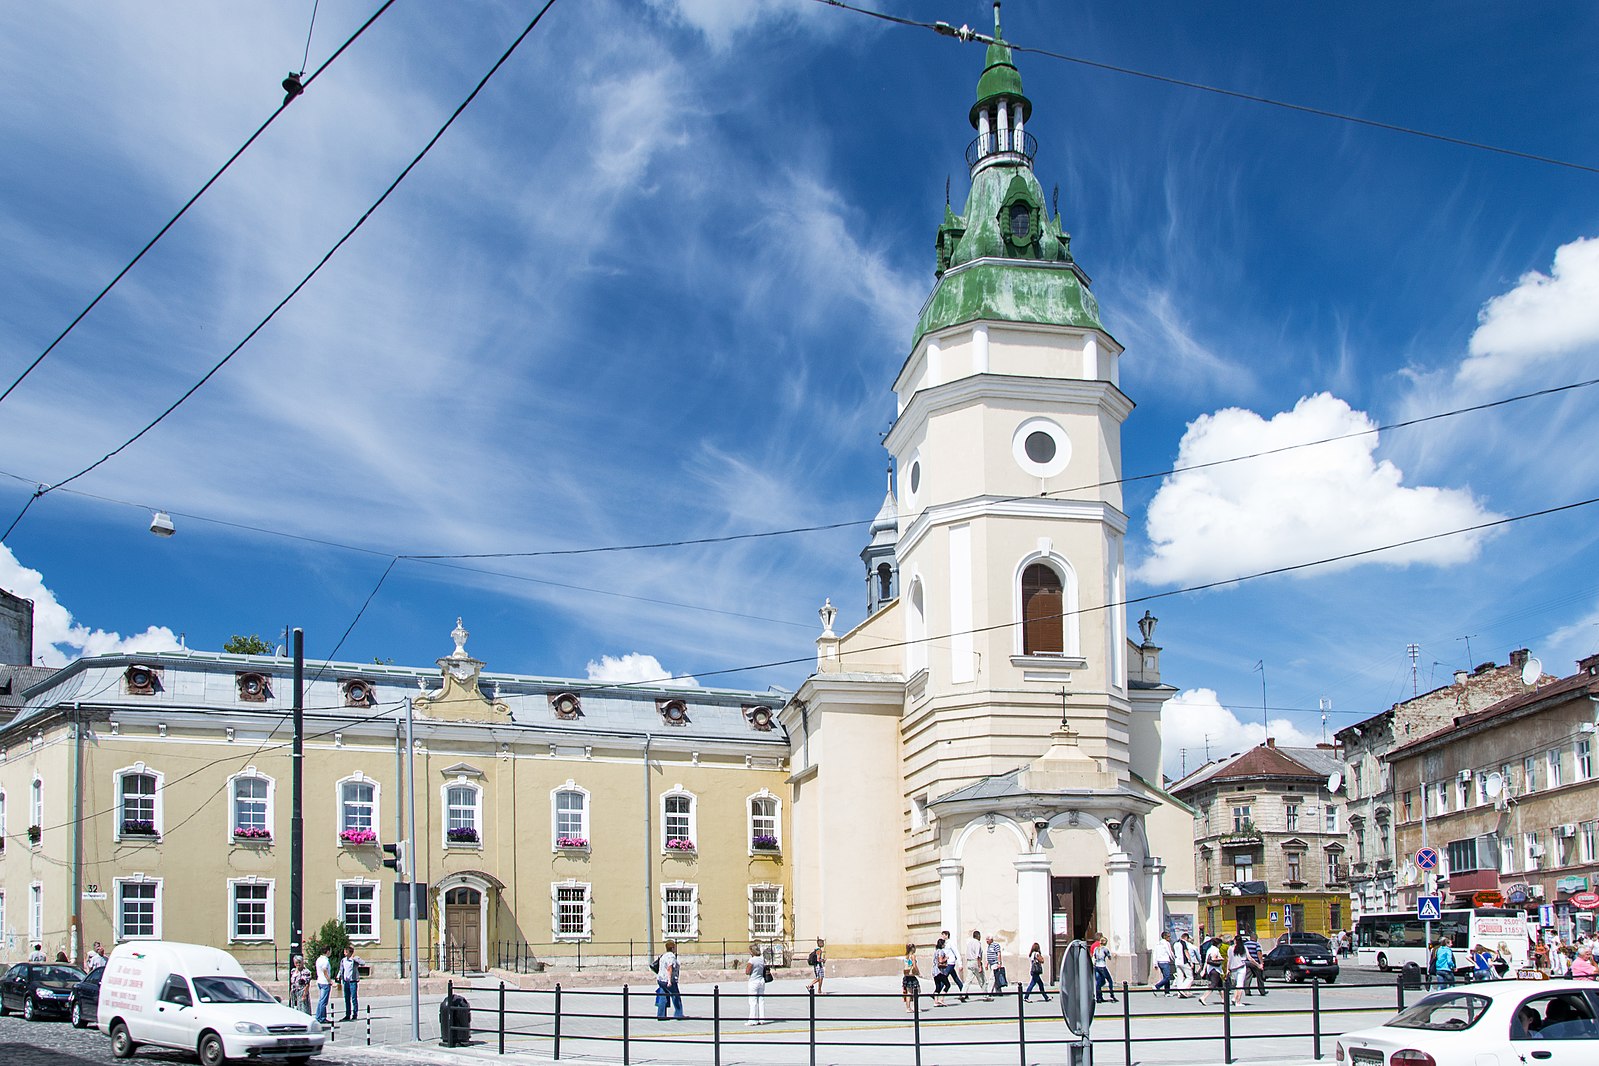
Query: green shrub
{"type": "Point", "coordinates": [333, 937]}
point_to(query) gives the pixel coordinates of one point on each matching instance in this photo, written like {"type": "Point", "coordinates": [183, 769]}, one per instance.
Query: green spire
{"type": "Point", "coordinates": [1000, 77]}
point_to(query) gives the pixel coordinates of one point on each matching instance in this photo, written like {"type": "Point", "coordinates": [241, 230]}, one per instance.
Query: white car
{"type": "Point", "coordinates": [1495, 1023]}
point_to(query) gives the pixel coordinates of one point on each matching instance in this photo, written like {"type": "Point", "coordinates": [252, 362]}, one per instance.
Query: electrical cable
{"type": "Point", "coordinates": [320, 263]}
{"type": "Point", "coordinates": [190, 203]}
{"type": "Point", "coordinates": [964, 34]}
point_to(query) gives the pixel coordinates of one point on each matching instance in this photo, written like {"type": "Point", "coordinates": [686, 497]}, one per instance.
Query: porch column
{"type": "Point", "coordinates": [1155, 872]}
{"type": "Point", "coordinates": [1032, 906]}
{"type": "Point", "coordinates": [1125, 964]}
{"type": "Point", "coordinates": [949, 896]}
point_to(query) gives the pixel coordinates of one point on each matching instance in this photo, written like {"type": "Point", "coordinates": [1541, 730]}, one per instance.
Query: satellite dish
{"type": "Point", "coordinates": [1494, 784]}
{"type": "Point", "coordinates": [1334, 781]}
{"type": "Point", "coordinates": [1531, 672]}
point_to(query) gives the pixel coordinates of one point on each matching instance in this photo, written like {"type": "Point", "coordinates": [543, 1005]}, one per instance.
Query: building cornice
{"type": "Point", "coordinates": [978, 388]}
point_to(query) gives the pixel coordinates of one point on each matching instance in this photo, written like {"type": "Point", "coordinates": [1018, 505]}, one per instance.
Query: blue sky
{"type": "Point", "coordinates": [655, 283]}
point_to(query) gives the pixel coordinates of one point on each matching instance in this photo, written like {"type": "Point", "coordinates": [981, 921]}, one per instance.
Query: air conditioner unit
{"type": "Point", "coordinates": [1568, 831]}
{"type": "Point", "coordinates": [1535, 850]}
{"type": "Point", "coordinates": [1465, 775]}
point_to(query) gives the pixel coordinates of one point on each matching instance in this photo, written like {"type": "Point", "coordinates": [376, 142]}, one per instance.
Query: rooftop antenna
{"type": "Point", "coordinates": [946, 190]}
{"type": "Point", "coordinates": [1054, 201]}
{"type": "Point", "coordinates": [1183, 753]}
{"type": "Point", "coordinates": [1261, 666]}
{"type": "Point", "coordinates": [1414, 651]}
{"type": "Point", "coordinates": [1470, 662]}
{"type": "Point", "coordinates": [1326, 705]}
{"type": "Point", "coordinates": [1207, 747]}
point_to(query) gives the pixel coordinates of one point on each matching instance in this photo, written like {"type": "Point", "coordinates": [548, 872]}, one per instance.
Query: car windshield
{"type": "Point", "coordinates": [230, 990]}
{"type": "Point", "coordinates": [1313, 939]}
{"type": "Point", "coordinates": [58, 975]}
{"type": "Point", "coordinates": [1450, 1010]}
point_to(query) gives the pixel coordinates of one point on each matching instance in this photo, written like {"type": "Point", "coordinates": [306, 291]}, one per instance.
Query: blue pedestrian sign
{"type": "Point", "coordinates": [1429, 908]}
{"type": "Point", "coordinates": [1427, 858]}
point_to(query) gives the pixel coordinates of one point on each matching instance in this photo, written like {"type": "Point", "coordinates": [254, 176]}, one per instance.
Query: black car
{"type": "Point", "coordinates": [85, 1002]}
{"type": "Point", "coordinates": [38, 989]}
{"type": "Point", "coordinates": [1298, 957]}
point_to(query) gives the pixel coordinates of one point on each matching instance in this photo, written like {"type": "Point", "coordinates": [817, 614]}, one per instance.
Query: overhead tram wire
{"type": "Point", "coordinates": [964, 34]}
{"type": "Point", "coordinates": [504, 57]}
{"type": "Point", "coordinates": [203, 189]}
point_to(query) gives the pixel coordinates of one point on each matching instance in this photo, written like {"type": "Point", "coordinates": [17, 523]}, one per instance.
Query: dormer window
{"type": "Point", "coordinates": [673, 712]}
{"type": "Point", "coordinates": [760, 718]}
{"type": "Point", "coordinates": [357, 692]}
{"type": "Point", "coordinates": [566, 706]}
{"type": "Point", "coordinates": [1020, 220]}
{"type": "Point", "coordinates": [141, 680]}
{"type": "Point", "coordinates": [253, 688]}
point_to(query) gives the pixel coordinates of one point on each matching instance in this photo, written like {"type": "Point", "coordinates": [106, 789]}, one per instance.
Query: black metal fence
{"type": "Point", "coordinates": [521, 956]}
{"type": "Point", "coordinates": [621, 1025]}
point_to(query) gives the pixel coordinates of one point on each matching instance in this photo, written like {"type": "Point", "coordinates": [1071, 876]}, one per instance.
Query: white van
{"type": "Point", "coordinates": [197, 998]}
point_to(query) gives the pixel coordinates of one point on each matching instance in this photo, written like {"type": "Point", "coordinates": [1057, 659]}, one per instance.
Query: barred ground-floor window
{"type": "Point", "coordinates": [766, 911]}
{"type": "Point", "coordinates": [572, 916]}
{"type": "Point", "coordinates": [680, 911]}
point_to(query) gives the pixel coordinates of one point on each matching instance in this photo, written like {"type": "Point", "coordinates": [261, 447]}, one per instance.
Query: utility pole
{"type": "Point", "coordinates": [411, 855]}
{"type": "Point", "coordinates": [297, 815]}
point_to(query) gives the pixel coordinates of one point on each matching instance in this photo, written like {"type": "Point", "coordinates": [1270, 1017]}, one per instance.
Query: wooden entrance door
{"type": "Point", "coordinates": [463, 929]}
{"type": "Point", "coordinates": [1072, 902]}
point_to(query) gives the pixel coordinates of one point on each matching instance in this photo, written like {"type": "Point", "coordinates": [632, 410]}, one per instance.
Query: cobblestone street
{"type": "Point", "coordinates": [24, 1043]}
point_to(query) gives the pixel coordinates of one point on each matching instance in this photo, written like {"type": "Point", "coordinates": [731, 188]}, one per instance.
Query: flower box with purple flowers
{"type": "Point", "coordinates": [679, 844]}
{"type": "Point", "coordinates": [251, 832]}
{"type": "Point", "coordinates": [572, 842]}
{"type": "Point", "coordinates": [357, 836]}
{"type": "Point", "coordinates": [138, 827]}
{"type": "Point", "coordinates": [763, 843]}
{"type": "Point", "coordinates": [463, 834]}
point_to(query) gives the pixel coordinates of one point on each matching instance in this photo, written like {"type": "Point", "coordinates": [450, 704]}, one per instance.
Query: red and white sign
{"type": "Point", "coordinates": [1586, 901]}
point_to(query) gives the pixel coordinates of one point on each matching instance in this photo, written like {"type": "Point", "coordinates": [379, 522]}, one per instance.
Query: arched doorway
{"type": "Point", "coordinates": [463, 929]}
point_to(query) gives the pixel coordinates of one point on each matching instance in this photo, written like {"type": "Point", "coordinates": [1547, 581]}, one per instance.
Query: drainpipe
{"type": "Point", "coordinates": [76, 935]}
{"type": "Point", "coordinates": [649, 855]}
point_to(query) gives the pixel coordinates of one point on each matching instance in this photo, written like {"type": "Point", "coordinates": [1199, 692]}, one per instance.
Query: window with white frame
{"type": "Point", "coordinates": [1552, 767]}
{"type": "Point", "coordinates": [1533, 850]}
{"type": "Point", "coordinates": [1332, 868]}
{"type": "Point", "coordinates": [2, 815]}
{"type": "Point", "coordinates": [569, 816]}
{"type": "Point", "coordinates": [1332, 818]}
{"type": "Point", "coordinates": [1291, 816]}
{"type": "Point", "coordinates": [1588, 841]}
{"type": "Point", "coordinates": [138, 908]}
{"type": "Point", "coordinates": [250, 909]}
{"type": "Point", "coordinates": [1482, 787]}
{"type": "Point", "coordinates": [2, 908]}
{"type": "Point", "coordinates": [763, 821]}
{"type": "Point", "coordinates": [36, 912]}
{"type": "Point", "coordinates": [678, 819]}
{"type": "Point", "coordinates": [138, 796]}
{"type": "Point", "coordinates": [1462, 794]}
{"type": "Point", "coordinates": [1440, 803]}
{"type": "Point", "coordinates": [358, 902]}
{"type": "Point", "coordinates": [251, 803]}
{"type": "Point", "coordinates": [36, 804]}
{"type": "Point", "coordinates": [1529, 774]}
{"type": "Point", "coordinates": [680, 911]}
{"type": "Point", "coordinates": [358, 810]}
{"type": "Point", "coordinates": [766, 911]}
{"type": "Point", "coordinates": [571, 910]}
{"type": "Point", "coordinates": [1047, 597]}
{"type": "Point", "coordinates": [1294, 871]}
{"type": "Point", "coordinates": [1584, 760]}
{"type": "Point", "coordinates": [1241, 818]}
{"type": "Point", "coordinates": [463, 814]}
{"type": "Point", "coordinates": [1243, 867]}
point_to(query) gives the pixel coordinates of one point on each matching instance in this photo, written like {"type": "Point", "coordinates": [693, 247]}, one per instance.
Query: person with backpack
{"type": "Point", "coordinates": [817, 961]}
{"type": "Point", "coordinates": [666, 990]}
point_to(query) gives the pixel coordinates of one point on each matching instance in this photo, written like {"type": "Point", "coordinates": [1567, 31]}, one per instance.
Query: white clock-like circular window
{"type": "Point", "coordinates": [1041, 447]}
{"type": "Point", "coordinates": [911, 485]}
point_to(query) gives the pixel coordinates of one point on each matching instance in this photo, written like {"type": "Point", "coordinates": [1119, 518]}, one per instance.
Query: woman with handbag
{"type": "Point", "coordinates": [910, 979]}
{"type": "Point", "coordinates": [1035, 964]}
{"type": "Point", "coordinates": [758, 973]}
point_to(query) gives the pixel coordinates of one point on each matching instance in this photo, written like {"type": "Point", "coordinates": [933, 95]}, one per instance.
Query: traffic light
{"type": "Point", "coordinates": [395, 859]}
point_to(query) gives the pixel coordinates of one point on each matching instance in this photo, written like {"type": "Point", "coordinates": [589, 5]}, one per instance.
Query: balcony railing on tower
{"type": "Point", "coordinates": [1006, 144]}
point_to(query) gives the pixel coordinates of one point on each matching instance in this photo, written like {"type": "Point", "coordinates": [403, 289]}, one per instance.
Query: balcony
{"type": "Point", "coordinates": [1339, 874]}
{"type": "Point", "coordinates": [1245, 835]}
{"type": "Point", "coordinates": [1002, 146]}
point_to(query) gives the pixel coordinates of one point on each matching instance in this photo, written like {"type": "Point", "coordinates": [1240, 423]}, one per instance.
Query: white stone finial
{"type": "Point", "coordinates": [459, 635]}
{"type": "Point", "coordinates": [828, 613]}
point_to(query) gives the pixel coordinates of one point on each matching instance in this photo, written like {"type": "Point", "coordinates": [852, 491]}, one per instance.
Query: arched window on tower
{"type": "Point", "coordinates": [1043, 623]}
{"type": "Point", "coordinates": [885, 582]}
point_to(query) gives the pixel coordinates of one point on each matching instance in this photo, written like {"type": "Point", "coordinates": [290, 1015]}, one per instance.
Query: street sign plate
{"type": "Point", "coordinates": [1429, 908]}
{"type": "Point", "coordinates": [1427, 858]}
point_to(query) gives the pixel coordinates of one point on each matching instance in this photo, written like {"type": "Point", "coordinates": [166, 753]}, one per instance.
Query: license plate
{"type": "Point", "coordinates": [294, 1045]}
{"type": "Point", "coordinates": [1365, 1056]}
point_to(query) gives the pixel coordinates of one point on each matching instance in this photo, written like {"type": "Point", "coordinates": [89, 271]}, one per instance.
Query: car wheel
{"type": "Point", "coordinates": [211, 1051]}
{"type": "Point", "coordinates": [77, 1016]}
{"type": "Point", "coordinates": [28, 1010]}
{"type": "Point", "coordinates": [4, 1010]}
{"type": "Point", "coordinates": [122, 1044]}
{"type": "Point", "coordinates": [1382, 962]}
{"type": "Point", "coordinates": [1333, 979]}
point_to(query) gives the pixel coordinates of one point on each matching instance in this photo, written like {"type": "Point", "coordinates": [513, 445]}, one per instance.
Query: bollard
{"type": "Point", "coordinates": [716, 1025]}
{"type": "Point", "coordinates": [1399, 986]}
{"type": "Point", "coordinates": [1315, 1018]}
{"type": "Point", "coordinates": [369, 1025]}
{"type": "Point", "coordinates": [916, 1023]}
{"type": "Point", "coordinates": [1226, 1024]}
{"type": "Point", "coordinates": [811, 992]}
{"type": "Point", "coordinates": [1021, 1026]}
{"type": "Point", "coordinates": [626, 1051]}
{"type": "Point", "coordinates": [557, 1048]}
{"type": "Point", "coordinates": [580, 956]}
{"type": "Point", "coordinates": [1127, 1024]}
{"type": "Point", "coordinates": [502, 1017]}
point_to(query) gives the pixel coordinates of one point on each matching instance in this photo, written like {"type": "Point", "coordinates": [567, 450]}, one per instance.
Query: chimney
{"type": "Point", "coordinates": [1460, 677]}
{"type": "Point", "coordinates": [1518, 658]}
{"type": "Point", "coordinates": [1271, 742]}
{"type": "Point", "coordinates": [1589, 666]}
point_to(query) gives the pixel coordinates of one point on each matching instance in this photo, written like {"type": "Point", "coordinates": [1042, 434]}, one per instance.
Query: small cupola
{"type": "Point", "coordinates": [1001, 112]}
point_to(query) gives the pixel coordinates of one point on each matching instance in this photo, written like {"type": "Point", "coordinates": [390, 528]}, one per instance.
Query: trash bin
{"type": "Point", "coordinates": [455, 1021]}
{"type": "Point", "coordinates": [1410, 976]}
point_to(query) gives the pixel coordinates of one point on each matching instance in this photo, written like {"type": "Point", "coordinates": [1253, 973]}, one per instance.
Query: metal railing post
{"type": "Point", "coordinates": [916, 1023]}
{"type": "Point", "coordinates": [580, 956]}
{"type": "Point", "coordinates": [1399, 986]}
{"type": "Point", "coordinates": [716, 1025]}
{"type": "Point", "coordinates": [556, 1055]}
{"type": "Point", "coordinates": [1226, 1023]}
{"type": "Point", "coordinates": [1315, 1018]}
{"type": "Point", "coordinates": [811, 992]}
{"type": "Point", "coordinates": [626, 1050]}
{"type": "Point", "coordinates": [1127, 1024]}
{"type": "Point", "coordinates": [1021, 1026]}
{"type": "Point", "coordinates": [502, 1017]}
{"type": "Point", "coordinates": [369, 1025]}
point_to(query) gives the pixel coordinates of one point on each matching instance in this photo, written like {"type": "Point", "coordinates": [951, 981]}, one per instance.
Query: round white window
{"type": "Point", "coordinates": [911, 482]}
{"type": "Point", "coordinates": [1041, 447]}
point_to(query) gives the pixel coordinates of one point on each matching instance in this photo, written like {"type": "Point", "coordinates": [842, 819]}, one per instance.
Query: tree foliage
{"type": "Point", "coordinates": [238, 644]}
{"type": "Point", "coordinates": [332, 937]}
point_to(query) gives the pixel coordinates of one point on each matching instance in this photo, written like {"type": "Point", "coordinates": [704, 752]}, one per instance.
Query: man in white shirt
{"type": "Point", "coordinates": [1161, 955]}
{"type": "Point", "coordinates": [974, 959]}
{"type": "Point", "coordinates": [96, 958]}
{"type": "Point", "coordinates": [666, 991]}
{"type": "Point", "coordinates": [324, 986]}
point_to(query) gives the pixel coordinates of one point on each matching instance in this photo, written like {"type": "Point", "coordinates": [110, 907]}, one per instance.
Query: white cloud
{"type": "Point", "coordinates": [1194, 723]}
{"type": "Point", "coordinates": [1299, 505]}
{"type": "Point", "coordinates": [722, 20]}
{"type": "Point", "coordinates": [1542, 318]}
{"type": "Point", "coordinates": [633, 668]}
{"type": "Point", "coordinates": [57, 639]}
{"type": "Point", "coordinates": [1561, 649]}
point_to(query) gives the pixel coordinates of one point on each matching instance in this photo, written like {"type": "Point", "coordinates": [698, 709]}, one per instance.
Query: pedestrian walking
{"type": "Point", "coordinates": [324, 986]}
{"type": "Point", "coordinates": [1443, 964]}
{"type": "Point", "coordinates": [1186, 960]}
{"type": "Point", "coordinates": [818, 964]}
{"type": "Point", "coordinates": [974, 960]}
{"type": "Point", "coordinates": [757, 973]}
{"type": "Point", "coordinates": [1100, 953]}
{"type": "Point", "coordinates": [1161, 955]}
{"type": "Point", "coordinates": [1238, 968]}
{"type": "Point", "coordinates": [994, 959]}
{"type": "Point", "coordinates": [1256, 974]}
{"type": "Point", "coordinates": [300, 985]}
{"type": "Point", "coordinates": [350, 982]}
{"type": "Point", "coordinates": [910, 983]}
{"type": "Point", "coordinates": [954, 975]}
{"type": "Point", "coordinates": [1214, 968]}
{"type": "Point", "coordinates": [1035, 970]}
{"type": "Point", "coordinates": [940, 972]}
{"type": "Point", "coordinates": [666, 990]}
{"type": "Point", "coordinates": [96, 958]}
{"type": "Point", "coordinates": [38, 954]}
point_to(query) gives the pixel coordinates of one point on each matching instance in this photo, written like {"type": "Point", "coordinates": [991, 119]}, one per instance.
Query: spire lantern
{"type": "Point", "coordinates": [1001, 112]}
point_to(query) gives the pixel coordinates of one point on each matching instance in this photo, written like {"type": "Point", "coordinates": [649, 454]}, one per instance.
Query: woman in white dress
{"type": "Point", "coordinates": [755, 971]}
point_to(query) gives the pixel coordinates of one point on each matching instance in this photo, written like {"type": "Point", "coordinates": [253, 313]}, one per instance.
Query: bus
{"type": "Point", "coordinates": [1390, 939]}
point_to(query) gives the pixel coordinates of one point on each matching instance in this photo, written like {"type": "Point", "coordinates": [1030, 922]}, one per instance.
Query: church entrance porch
{"type": "Point", "coordinates": [1073, 906]}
